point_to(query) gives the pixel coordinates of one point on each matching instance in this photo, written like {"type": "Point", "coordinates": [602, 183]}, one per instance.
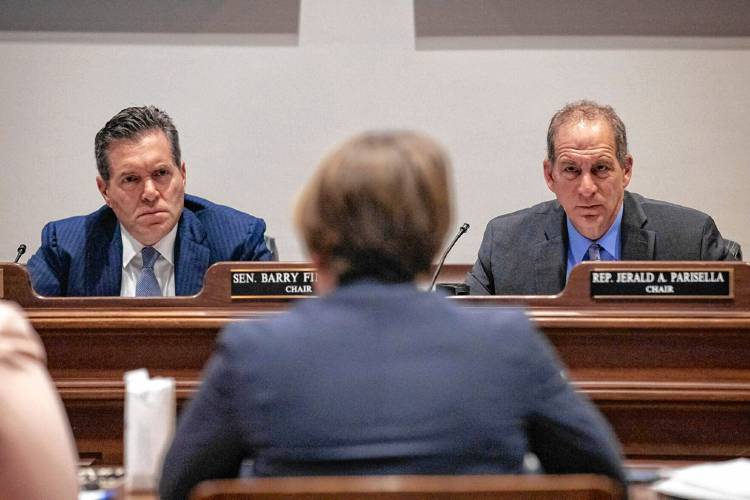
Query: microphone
{"type": "Point", "coordinates": [464, 227]}
{"type": "Point", "coordinates": [21, 251]}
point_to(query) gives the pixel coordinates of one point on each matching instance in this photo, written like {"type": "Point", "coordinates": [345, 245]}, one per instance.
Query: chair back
{"type": "Point", "coordinates": [485, 487]}
{"type": "Point", "coordinates": [271, 245]}
{"type": "Point", "coordinates": [733, 249]}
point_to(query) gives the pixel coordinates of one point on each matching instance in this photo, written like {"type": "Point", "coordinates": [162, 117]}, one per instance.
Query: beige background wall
{"type": "Point", "coordinates": [259, 90]}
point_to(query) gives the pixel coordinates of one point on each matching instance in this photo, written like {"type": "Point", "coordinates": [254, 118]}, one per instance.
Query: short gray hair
{"type": "Point", "coordinates": [589, 111]}
{"type": "Point", "coordinates": [130, 123]}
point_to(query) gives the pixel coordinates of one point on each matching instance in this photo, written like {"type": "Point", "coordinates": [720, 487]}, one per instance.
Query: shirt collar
{"type": "Point", "coordinates": [132, 247]}
{"type": "Point", "coordinates": [579, 244]}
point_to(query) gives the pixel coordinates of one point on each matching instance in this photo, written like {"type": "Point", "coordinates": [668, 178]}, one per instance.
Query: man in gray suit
{"type": "Point", "coordinates": [588, 167]}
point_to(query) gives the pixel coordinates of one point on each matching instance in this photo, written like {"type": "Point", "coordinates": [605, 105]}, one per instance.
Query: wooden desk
{"type": "Point", "coordinates": [635, 492]}
{"type": "Point", "coordinates": [671, 376]}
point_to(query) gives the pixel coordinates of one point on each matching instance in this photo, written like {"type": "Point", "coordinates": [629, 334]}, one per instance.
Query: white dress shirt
{"type": "Point", "coordinates": [132, 263]}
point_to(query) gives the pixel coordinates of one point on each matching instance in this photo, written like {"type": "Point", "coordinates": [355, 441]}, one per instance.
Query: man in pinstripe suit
{"type": "Point", "coordinates": [150, 238]}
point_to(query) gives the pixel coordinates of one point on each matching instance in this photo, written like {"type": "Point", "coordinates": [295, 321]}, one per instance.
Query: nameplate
{"type": "Point", "coordinates": [272, 283]}
{"type": "Point", "coordinates": [685, 283]}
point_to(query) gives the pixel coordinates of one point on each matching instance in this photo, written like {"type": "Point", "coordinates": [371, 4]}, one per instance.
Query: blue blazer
{"type": "Point", "coordinates": [384, 379]}
{"type": "Point", "coordinates": [82, 256]}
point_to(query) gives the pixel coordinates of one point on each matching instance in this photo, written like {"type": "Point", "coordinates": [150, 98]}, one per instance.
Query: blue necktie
{"type": "Point", "coordinates": [597, 252]}
{"type": "Point", "coordinates": [594, 252]}
{"type": "Point", "coordinates": [147, 286]}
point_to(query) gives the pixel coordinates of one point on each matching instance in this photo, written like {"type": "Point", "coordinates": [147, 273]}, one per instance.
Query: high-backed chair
{"type": "Point", "coordinates": [271, 245]}
{"type": "Point", "coordinates": [488, 487]}
{"type": "Point", "coordinates": [733, 248]}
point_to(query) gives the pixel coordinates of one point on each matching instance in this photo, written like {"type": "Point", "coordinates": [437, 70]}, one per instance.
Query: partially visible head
{"type": "Point", "coordinates": [378, 206]}
{"type": "Point", "coordinates": [140, 174]}
{"type": "Point", "coordinates": [588, 165]}
{"type": "Point", "coordinates": [131, 123]}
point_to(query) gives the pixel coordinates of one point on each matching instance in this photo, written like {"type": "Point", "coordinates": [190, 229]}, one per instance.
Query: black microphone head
{"type": "Point", "coordinates": [21, 250]}
{"type": "Point", "coordinates": [465, 227]}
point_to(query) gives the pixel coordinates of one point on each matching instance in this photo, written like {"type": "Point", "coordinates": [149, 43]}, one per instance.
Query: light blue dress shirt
{"type": "Point", "coordinates": [578, 244]}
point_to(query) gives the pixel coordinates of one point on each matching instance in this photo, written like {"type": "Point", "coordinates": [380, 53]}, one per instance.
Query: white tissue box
{"type": "Point", "coordinates": [149, 426]}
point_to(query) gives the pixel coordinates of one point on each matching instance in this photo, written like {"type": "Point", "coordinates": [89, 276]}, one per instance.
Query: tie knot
{"type": "Point", "coordinates": [594, 252]}
{"type": "Point", "coordinates": [149, 255]}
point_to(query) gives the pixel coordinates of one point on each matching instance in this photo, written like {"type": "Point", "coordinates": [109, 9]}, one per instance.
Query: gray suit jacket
{"type": "Point", "coordinates": [384, 379]}
{"type": "Point", "coordinates": [525, 252]}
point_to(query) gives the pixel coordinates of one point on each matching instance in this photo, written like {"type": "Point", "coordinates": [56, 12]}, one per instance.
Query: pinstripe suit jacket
{"type": "Point", "coordinates": [82, 256]}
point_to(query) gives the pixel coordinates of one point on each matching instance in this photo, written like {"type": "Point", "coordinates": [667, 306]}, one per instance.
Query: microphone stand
{"type": "Point", "coordinates": [464, 227]}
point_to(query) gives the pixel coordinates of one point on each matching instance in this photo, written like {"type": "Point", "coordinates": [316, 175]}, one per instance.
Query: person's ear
{"type": "Point", "coordinates": [183, 173]}
{"type": "Point", "coordinates": [103, 187]}
{"type": "Point", "coordinates": [627, 170]}
{"type": "Point", "coordinates": [548, 178]}
{"type": "Point", "coordinates": [327, 280]}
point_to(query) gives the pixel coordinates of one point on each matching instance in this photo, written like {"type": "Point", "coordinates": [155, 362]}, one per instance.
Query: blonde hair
{"type": "Point", "coordinates": [378, 206]}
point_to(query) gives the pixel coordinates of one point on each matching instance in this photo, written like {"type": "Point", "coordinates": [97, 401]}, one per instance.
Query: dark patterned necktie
{"type": "Point", "coordinates": [147, 286]}
{"type": "Point", "coordinates": [594, 252]}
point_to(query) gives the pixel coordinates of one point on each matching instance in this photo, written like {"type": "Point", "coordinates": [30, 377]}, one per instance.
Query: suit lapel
{"type": "Point", "coordinates": [550, 255]}
{"type": "Point", "coordinates": [192, 256]}
{"type": "Point", "coordinates": [104, 259]}
{"type": "Point", "coordinates": [637, 242]}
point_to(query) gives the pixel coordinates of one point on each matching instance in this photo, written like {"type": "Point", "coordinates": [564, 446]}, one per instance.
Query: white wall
{"type": "Point", "coordinates": [257, 110]}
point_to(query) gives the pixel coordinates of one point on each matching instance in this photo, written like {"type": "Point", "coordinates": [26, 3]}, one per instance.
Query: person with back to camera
{"type": "Point", "coordinates": [588, 167]}
{"type": "Point", "coordinates": [151, 239]}
{"type": "Point", "coordinates": [376, 376]}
